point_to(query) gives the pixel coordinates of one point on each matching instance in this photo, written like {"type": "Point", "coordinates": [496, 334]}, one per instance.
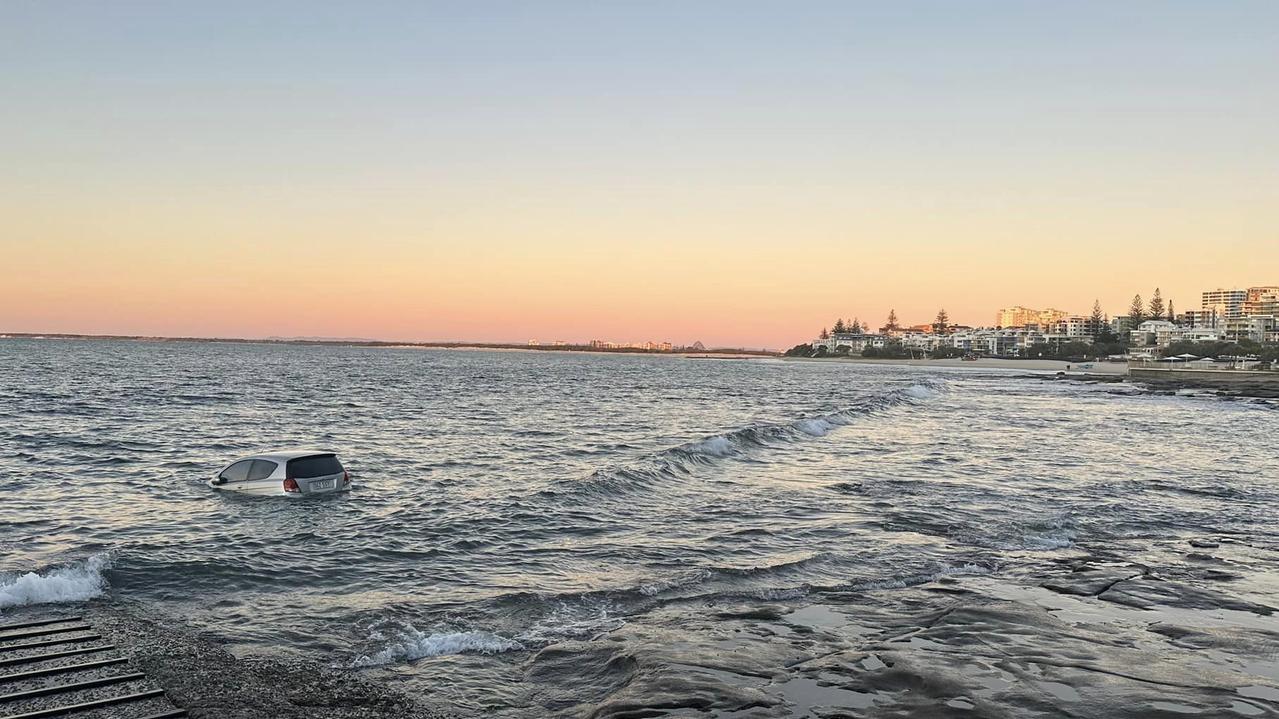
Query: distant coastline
{"type": "Point", "coordinates": [390, 344]}
{"type": "Point", "coordinates": [1074, 368]}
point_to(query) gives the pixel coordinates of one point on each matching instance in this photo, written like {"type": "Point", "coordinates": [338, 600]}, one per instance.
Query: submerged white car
{"type": "Point", "coordinates": [292, 473]}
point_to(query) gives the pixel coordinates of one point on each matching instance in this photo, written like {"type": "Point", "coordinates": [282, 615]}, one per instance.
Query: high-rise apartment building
{"type": "Point", "coordinates": [1022, 316]}
{"type": "Point", "coordinates": [1261, 302]}
{"type": "Point", "coordinates": [1228, 304]}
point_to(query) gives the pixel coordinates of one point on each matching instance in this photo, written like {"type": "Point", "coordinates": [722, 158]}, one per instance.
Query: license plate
{"type": "Point", "coordinates": [323, 484]}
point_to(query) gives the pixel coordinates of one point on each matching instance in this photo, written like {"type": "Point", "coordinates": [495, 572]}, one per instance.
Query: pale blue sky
{"type": "Point", "coordinates": [868, 130]}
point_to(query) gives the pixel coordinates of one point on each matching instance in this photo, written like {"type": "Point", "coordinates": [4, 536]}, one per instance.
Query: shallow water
{"type": "Point", "coordinates": [552, 534]}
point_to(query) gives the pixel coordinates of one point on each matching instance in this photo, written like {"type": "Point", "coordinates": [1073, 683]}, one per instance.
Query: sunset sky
{"type": "Point", "coordinates": [739, 173]}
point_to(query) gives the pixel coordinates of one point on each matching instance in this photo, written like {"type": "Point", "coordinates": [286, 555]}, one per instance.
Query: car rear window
{"type": "Point", "coordinates": [314, 466]}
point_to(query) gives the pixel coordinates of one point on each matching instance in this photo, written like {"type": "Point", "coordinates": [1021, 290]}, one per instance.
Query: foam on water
{"type": "Point", "coordinates": [923, 578]}
{"type": "Point", "coordinates": [75, 583]}
{"type": "Point", "coordinates": [920, 391]}
{"type": "Point", "coordinates": [682, 459]}
{"type": "Point", "coordinates": [413, 645]}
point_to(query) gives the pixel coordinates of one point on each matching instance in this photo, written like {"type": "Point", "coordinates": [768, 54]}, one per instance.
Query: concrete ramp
{"type": "Point", "coordinates": [59, 666]}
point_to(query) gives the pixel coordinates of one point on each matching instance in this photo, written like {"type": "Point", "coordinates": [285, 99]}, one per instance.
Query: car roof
{"type": "Point", "coordinates": [284, 455]}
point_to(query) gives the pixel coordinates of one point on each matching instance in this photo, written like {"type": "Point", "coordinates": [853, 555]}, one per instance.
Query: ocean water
{"type": "Point", "coordinates": [554, 534]}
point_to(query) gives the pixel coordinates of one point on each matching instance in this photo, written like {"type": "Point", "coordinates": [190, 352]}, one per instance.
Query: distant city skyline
{"type": "Point", "coordinates": [736, 173]}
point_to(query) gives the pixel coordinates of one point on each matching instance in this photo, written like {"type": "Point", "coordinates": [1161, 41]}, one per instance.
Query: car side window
{"type": "Point", "coordinates": [262, 469]}
{"type": "Point", "coordinates": [237, 472]}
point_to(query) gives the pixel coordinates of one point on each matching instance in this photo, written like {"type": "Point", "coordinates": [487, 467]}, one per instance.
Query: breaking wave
{"type": "Point", "coordinates": [75, 583]}
{"type": "Point", "coordinates": [912, 580]}
{"type": "Point", "coordinates": [414, 645]}
{"type": "Point", "coordinates": [681, 460]}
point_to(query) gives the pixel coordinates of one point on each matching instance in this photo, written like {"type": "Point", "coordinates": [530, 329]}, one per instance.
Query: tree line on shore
{"type": "Point", "coordinates": [1105, 341]}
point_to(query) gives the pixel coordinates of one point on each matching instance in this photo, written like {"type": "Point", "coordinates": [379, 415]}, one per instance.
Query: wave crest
{"type": "Point", "coordinates": [74, 583]}
{"type": "Point", "coordinates": [680, 461]}
{"type": "Point", "coordinates": [414, 645]}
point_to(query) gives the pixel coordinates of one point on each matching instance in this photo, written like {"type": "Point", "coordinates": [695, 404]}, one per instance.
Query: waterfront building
{"type": "Point", "coordinates": [1262, 328]}
{"type": "Point", "coordinates": [1121, 325]}
{"type": "Point", "coordinates": [1200, 318]}
{"type": "Point", "coordinates": [996, 342]}
{"type": "Point", "coordinates": [917, 340]}
{"type": "Point", "coordinates": [1227, 304]}
{"type": "Point", "coordinates": [1161, 333]}
{"type": "Point", "coordinates": [1261, 301]}
{"type": "Point", "coordinates": [1248, 314]}
{"type": "Point", "coordinates": [1022, 316]}
{"type": "Point", "coordinates": [856, 342]}
{"type": "Point", "coordinates": [1197, 334]}
{"type": "Point", "coordinates": [1158, 333]}
{"type": "Point", "coordinates": [1073, 328]}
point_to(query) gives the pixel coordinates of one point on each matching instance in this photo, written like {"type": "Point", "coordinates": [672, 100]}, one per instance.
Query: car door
{"type": "Point", "coordinates": [234, 476]}
{"type": "Point", "coordinates": [258, 477]}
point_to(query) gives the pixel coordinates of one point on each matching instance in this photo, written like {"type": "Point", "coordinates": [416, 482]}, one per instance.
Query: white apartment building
{"type": "Point", "coordinates": [1073, 328]}
{"type": "Point", "coordinates": [1202, 318]}
{"type": "Point", "coordinates": [999, 342]}
{"type": "Point", "coordinates": [1153, 332]}
{"type": "Point", "coordinates": [1263, 328]}
{"type": "Point", "coordinates": [1227, 304]}
{"type": "Point", "coordinates": [1161, 333]}
{"type": "Point", "coordinates": [856, 342]}
{"type": "Point", "coordinates": [922, 341]}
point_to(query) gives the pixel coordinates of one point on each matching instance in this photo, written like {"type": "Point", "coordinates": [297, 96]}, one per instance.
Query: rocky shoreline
{"type": "Point", "coordinates": [200, 675]}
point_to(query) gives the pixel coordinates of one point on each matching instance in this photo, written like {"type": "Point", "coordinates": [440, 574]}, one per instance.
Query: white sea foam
{"type": "Point", "coordinates": [417, 645]}
{"type": "Point", "coordinates": [1047, 540]}
{"type": "Point", "coordinates": [816, 427]}
{"type": "Point", "coordinates": [654, 588]}
{"type": "Point", "coordinates": [919, 391]}
{"type": "Point", "coordinates": [781, 594]}
{"type": "Point", "coordinates": [74, 583]}
{"type": "Point", "coordinates": [713, 446]}
{"type": "Point", "coordinates": [573, 619]}
{"type": "Point", "coordinates": [917, 579]}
